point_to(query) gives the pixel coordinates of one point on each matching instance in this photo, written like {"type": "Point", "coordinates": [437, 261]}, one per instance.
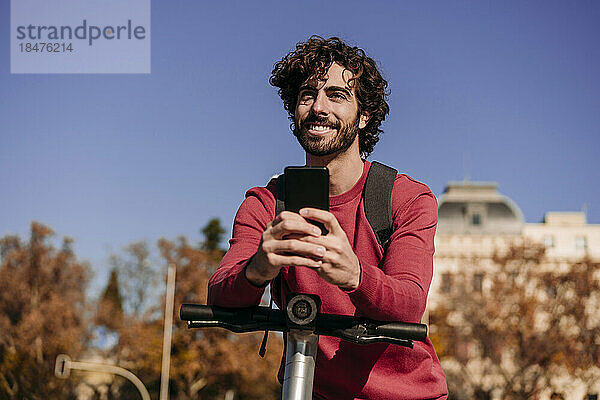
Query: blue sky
{"type": "Point", "coordinates": [497, 91]}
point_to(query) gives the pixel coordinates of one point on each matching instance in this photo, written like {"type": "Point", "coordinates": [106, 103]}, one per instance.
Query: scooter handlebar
{"type": "Point", "coordinates": [358, 330]}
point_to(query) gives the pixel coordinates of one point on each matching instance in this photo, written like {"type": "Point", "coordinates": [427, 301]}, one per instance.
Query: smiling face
{"type": "Point", "coordinates": [326, 115]}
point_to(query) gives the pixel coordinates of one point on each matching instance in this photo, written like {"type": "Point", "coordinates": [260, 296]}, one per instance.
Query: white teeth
{"type": "Point", "coordinates": [319, 128]}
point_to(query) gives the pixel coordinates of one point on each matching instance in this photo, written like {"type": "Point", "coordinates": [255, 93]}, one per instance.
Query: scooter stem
{"type": "Point", "coordinates": [300, 360]}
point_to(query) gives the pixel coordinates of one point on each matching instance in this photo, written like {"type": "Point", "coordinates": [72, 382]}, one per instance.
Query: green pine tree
{"type": "Point", "coordinates": [110, 308]}
{"type": "Point", "coordinates": [213, 233]}
{"type": "Point", "coordinates": [112, 292]}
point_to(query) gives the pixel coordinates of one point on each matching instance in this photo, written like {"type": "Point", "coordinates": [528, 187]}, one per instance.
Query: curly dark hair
{"type": "Point", "coordinates": [313, 59]}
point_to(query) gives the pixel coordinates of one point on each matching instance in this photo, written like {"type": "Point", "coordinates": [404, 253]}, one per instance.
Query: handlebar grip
{"type": "Point", "coordinates": [234, 319]}
{"type": "Point", "coordinates": [198, 312]}
{"type": "Point", "coordinates": [403, 330]}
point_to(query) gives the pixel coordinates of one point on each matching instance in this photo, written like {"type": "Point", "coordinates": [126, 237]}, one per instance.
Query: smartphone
{"type": "Point", "coordinates": [307, 187]}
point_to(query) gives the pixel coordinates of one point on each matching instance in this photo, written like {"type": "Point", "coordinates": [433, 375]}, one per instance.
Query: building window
{"type": "Point", "coordinates": [549, 242]}
{"type": "Point", "coordinates": [475, 219]}
{"type": "Point", "coordinates": [446, 282]}
{"type": "Point", "coordinates": [581, 243]}
{"type": "Point", "coordinates": [478, 282]}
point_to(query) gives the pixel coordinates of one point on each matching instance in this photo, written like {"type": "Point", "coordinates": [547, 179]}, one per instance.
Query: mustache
{"type": "Point", "coordinates": [316, 119]}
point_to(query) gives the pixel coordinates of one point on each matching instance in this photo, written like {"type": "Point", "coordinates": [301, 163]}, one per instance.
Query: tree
{"type": "Point", "coordinates": [205, 363]}
{"type": "Point", "coordinates": [529, 321]}
{"type": "Point", "coordinates": [110, 307]}
{"type": "Point", "coordinates": [139, 277]}
{"type": "Point", "coordinates": [129, 308]}
{"type": "Point", "coordinates": [43, 313]}
{"type": "Point", "coordinates": [213, 234]}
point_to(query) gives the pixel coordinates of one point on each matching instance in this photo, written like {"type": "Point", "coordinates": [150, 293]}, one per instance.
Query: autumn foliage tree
{"type": "Point", "coordinates": [42, 314]}
{"type": "Point", "coordinates": [138, 278]}
{"type": "Point", "coordinates": [531, 321]}
{"type": "Point", "coordinates": [207, 363]}
{"type": "Point", "coordinates": [129, 309]}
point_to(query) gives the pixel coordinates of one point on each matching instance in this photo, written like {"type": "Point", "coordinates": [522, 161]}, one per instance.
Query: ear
{"type": "Point", "coordinates": [364, 120]}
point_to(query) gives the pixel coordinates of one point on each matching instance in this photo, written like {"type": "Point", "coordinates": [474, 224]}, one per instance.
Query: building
{"type": "Point", "coordinates": [475, 220]}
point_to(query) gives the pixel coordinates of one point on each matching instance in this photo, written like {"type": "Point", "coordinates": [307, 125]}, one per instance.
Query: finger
{"type": "Point", "coordinates": [285, 215]}
{"type": "Point", "coordinates": [298, 236]}
{"type": "Point", "coordinates": [269, 227]}
{"type": "Point", "coordinates": [325, 217]}
{"type": "Point", "coordinates": [295, 260]}
{"type": "Point", "coordinates": [320, 240]}
{"type": "Point", "coordinates": [331, 259]}
{"type": "Point", "coordinates": [296, 247]}
{"type": "Point", "coordinates": [331, 252]}
{"type": "Point", "coordinates": [331, 243]}
{"type": "Point", "coordinates": [289, 226]}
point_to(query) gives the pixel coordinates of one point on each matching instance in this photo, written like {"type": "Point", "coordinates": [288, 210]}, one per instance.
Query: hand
{"type": "Point", "coordinates": [284, 243]}
{"type": "Point", "coordinates": [340, 266]}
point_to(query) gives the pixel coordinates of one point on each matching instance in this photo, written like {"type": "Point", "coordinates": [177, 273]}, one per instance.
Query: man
{"type": "Point", "coordinates": [336, 99]}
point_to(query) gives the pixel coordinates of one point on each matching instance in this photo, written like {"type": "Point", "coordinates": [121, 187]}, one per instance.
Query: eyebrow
{"type": "Point", "coordinates": [327, 89]}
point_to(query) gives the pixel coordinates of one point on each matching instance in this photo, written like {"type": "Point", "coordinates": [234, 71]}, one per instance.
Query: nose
{"type": "Point", "coordinates": [319, 106]}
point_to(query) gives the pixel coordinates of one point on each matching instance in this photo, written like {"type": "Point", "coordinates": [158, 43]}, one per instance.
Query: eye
{"type": "Point", "coordinates": [307, 95]}
{"type": "Point", "coordinates": [338, 95]}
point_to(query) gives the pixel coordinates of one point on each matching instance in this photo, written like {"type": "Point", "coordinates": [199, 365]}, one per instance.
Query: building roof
{"type": "Point", "coordinates": [565, 218]}
{"type": "Point", "coordinates": [468, 207]}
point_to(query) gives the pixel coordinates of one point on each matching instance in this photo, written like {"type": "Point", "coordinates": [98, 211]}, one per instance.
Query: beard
{"type": "Point", "coordinates": [317, 145]}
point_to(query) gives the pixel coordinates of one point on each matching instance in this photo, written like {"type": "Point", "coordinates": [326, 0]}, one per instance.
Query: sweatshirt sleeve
{"type": "Point", "coordinates": [229, 287]}
{"type": "Point", "coordinates": [397, 289]}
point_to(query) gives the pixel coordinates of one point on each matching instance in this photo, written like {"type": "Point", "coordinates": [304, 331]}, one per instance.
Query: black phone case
{"type": "Point", "coordinates": [307, 187]}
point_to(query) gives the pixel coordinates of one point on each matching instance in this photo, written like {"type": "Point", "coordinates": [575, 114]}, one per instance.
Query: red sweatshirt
{"type": "Point", "coordinates": [393, 290]}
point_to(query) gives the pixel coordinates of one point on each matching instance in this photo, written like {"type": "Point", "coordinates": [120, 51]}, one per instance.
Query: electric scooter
{"type": "Point", "coordinates": [303, 322]}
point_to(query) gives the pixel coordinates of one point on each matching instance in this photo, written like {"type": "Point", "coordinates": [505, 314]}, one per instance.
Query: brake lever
{"type": "Point", "coordinates": [359, 334]}
{"type": "Point", "coordinates": [237, 328]}
{"type": "Point", "coordinates": [385, 339]}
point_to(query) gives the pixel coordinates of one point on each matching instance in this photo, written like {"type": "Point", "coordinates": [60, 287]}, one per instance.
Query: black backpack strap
{"type": "Point", "coordinates": [378, 200]}
{"type": "Point", "coordinates": [279, 194]}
